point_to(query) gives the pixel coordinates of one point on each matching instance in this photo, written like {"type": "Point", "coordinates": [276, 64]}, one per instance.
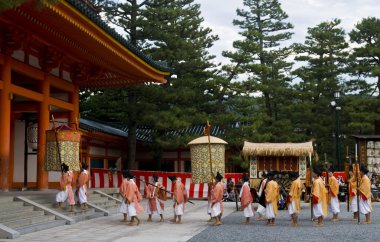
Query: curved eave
{"type": "Point", "coordinates": [75, 17]}
{"type": "Point", "coordinates": [70, 32]}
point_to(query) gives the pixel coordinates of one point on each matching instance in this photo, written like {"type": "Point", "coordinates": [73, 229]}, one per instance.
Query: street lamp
{"type": "Point", "coordinates": [335, 105]}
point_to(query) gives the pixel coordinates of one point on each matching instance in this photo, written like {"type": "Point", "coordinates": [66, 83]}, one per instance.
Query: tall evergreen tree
{"type": "Point", "coordinates": [261, 56]}
{"type": "Point", "coordinates": [175, 34]}
{"type": "Point", "coordinates": [324, 56]}
{"type": "Point", "coordinates": [169, 31]}
{"type": "Point", "coordinates": [366, 57]}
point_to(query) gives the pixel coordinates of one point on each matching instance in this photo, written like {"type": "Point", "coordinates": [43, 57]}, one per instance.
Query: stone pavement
{"type": "Point", "coordinates": [344, 230]}
{"type": "Point", "coordinates": [112, 229]}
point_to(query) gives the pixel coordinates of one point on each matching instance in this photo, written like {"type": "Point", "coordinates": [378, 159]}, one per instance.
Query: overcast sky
{"type": "Point", "coordinates": [218, 15]}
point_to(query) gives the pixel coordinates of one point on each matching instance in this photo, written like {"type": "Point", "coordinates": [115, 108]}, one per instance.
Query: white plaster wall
{"type": "Point", "coordinates": [185, 155]}
{"type": "Point", "coordinates": [19, 55]}
{"type": "Point", "coordinates": [145, 155]}
{"type": "Point", "coordinates": [170, 155]}
{"type": "Point", "coordinates": [114, 152]}
{"type": "Point", "coordinates": [61, 96]}
{"type": "Point", "coordinates": [54, 176]}
{"type": "Point", "coordinates": [97, 151]}
{"type": "Point", "coordinates": [18, 172]}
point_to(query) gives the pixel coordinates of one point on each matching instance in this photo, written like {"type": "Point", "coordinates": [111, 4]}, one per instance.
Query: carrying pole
{"type": "Point", "coordinates": [357, 179]}
{"type": "Point", "coordinates": [311, 188]}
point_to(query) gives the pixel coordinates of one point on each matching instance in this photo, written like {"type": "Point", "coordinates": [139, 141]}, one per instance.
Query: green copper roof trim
{"type": "Point", "coordinates": [89, 13]}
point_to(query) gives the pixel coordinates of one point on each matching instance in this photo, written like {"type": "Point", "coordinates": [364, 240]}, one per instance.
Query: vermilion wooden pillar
{"type": "Point", "coordinates": [43, 125]}
{"type": "Point", "coordinates": [5, 127]}
{"type": "Point", "coordinates": [74, 115]}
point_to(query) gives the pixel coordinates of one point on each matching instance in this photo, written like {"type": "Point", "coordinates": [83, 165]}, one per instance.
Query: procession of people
{"type": "Point", "coordinates": [324, 198]}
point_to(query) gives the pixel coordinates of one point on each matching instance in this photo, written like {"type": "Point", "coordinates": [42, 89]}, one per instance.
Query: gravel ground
{"type": "Point", "coordinates": [344, 230]}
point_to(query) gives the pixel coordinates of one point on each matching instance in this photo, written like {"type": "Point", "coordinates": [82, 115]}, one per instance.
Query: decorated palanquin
{"type": "Point", "coordinates": [62, 146]}
{"type": "Point", "coordinates": [285, 157]}
{"type": "Point", "coordinates": [200, 158]}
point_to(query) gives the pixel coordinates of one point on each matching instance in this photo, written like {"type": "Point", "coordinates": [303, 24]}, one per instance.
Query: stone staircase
{"type": "Point", "coordinates": [23, 218]}
{"type": "Point", "coordinates": [105, 202]}
{"type": "Point", "coordinates": [79, 214]}
{"type": "Point", "coordinates": [34, 212]}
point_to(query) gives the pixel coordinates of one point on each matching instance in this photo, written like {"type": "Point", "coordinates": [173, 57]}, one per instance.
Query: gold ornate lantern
{"type": "Point", "coordinates": [62, 146]}
{"type": "Point", "coordinates": [200, 150]}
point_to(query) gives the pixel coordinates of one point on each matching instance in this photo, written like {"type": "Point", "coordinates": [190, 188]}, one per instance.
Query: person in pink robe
{"type": "Point", "coordinates": [246, 199]}
{"type": "Point", "coordinates": [155, 194]}
{"type": "Point", "coordinates": [67, 191]}
{"type": "Point", "coordinates": [216, 200]}
{"type": "Point", "coordinates": [133, 198]}
{"type": "Point", "coordinates": [82, 187]}
{"type": "Point", "coordinates": [122, 190]}
{"type": "Point", "coordinates": [180, 198]}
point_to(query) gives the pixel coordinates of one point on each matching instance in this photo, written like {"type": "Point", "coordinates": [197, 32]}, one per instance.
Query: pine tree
{"type": "Point", "coordinates": [366, 57]}
{"type": "Point", "coordinates": [261, 55]}
{"type": "Point", "coordinates": [324, 57]}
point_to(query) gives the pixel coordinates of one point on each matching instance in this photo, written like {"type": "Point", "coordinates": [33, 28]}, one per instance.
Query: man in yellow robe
{"type": "Point", "coordinates": [333, 195]}
{"type": "Point", "coordinates": [294, 199]}
{"type": "Point", "coordinates": [271, 196]}
{"type": "Point", "coordinates": [352, 199]}
{"type": "Point", "coordinates": [365, 205]}
{"type": "Point", "coordinates": [319, 196]}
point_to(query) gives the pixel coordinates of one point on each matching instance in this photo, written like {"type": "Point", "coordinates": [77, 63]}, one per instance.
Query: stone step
{"type": "Point", "coordinates": [16, 210]}
{"type": "Point", "coordinates": [29, 221]}
{"type": "Point", "coordinates": [20, 215]}
{"type": "Point", "coordinates": [40, 226]}
{"type": "Point", "coordinates": [78, 211]}
{"type": "Point", "coordinates": [92, 199]}
{"type": "Point", "coordinates": [6, 199]}
{"type": "Point", "coordinates": [88, 216]}
{"type": "Point", "coordinates": [105, 203]}
{"type": "Point", "coordinates": [11, 205]}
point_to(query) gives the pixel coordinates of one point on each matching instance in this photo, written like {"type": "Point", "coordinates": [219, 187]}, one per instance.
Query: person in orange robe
{"type": "Point", "coordinates": [82, 187]}
{"type": "Point", "coordinates": [333, 195]}
{"type": "Point", "coordinates": [155, 200]}
{"type": "Point", "coordinates": [272, 197]}
{"type": "Point", "coordinates": [261, 194]}
{"type": "Point", "coordinates": [61, 196]}
{"type": "Point", "coordinates": [294, 198]}
{"type": "Point", "coordinates": [365, 205]}
{"type": "Point", "coordinates": [122, 190]}
{"type": "Point", "coordinates": [353, 200]}
{"type": "Point", "coordinates": [179, 198]}
{"type": "Point", "coordinates": [133, 198]}
{"type": "Point", "coordinates": [209, 188]}
{"type": "Point", "coordinates": [319, 196]}
{"type": "Point", "coordinates": [246, 199]}
{"type": "Point", "coordinates": [216, 199]}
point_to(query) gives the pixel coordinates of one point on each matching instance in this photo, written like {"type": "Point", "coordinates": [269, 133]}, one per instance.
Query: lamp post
{"type": "Point", "coordinates": [335, 105]}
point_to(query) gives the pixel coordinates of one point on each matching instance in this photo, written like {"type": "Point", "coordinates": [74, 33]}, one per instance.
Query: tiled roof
{"type": "Point", "coordinates": [143, 134]}
{"type": "Point", "coordinates": [94, 17]}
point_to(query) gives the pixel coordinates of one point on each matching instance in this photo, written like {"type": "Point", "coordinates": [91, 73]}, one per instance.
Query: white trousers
{"type": "Point", "coordinates": [248, 211]}
{"type": "Point", "coordinates": [209, 208]}
{"type": "Point", "coordinates": [215, 210]}
{"type": "Point", "coordinates": [317, 210]}
{"type": "Point", "coordinates": [82, 197]}
{"type": "Point", "coordinates": [354, 205]}
{"type": "Point", "coordinates": [159, 210]}
{"type": "Point", "coordinates": [334, 203]}
{"type": "Point", "coordinates": [178, 209]}
{"type": "Point", "coordinates": [123, 207]}
{"type": "Point", "coordinates": [364, 206]}
{"type": "Point", "coordinates": [261, 210]}
{"type": "Point", "coordinates": [269, 211]}
{"type": "Point", "coordinates": [62, 196]}
{"type": "Point", "coordinates": [132, 210]}
{"type": "Point", "coordinates": [291, 208]}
